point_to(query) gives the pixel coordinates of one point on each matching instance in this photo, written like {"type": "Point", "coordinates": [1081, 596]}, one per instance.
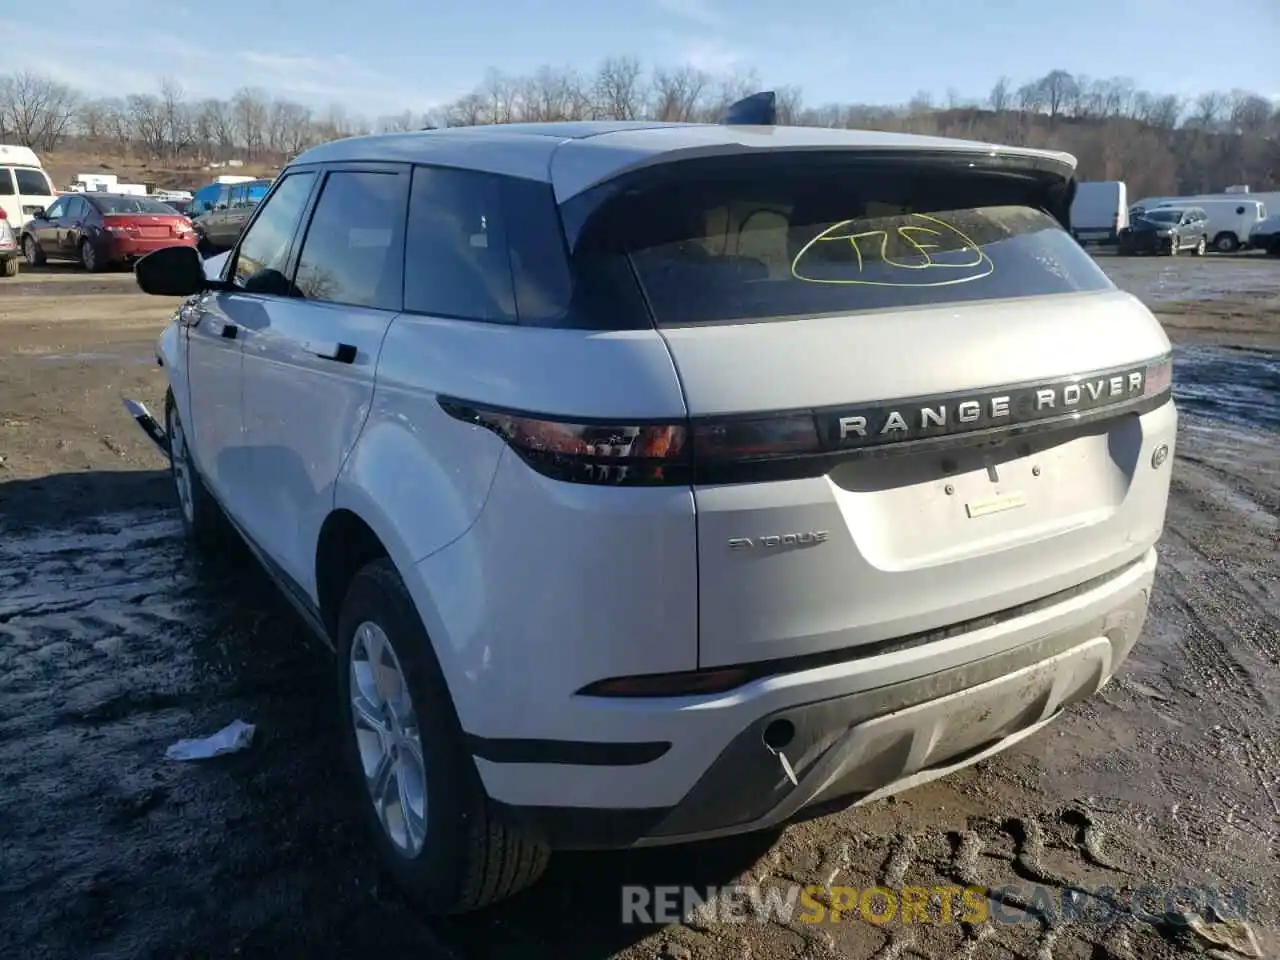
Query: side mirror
{"type": "Point", "coordinates": [171, 272]}
{"type": "Point", "coordinates": [37, 212]}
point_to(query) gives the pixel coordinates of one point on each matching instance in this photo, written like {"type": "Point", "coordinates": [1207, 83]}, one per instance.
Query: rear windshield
{"type": "Point", "coordinates": [131, 205]}
{"type": "Point", "coordinates": [823, 241]}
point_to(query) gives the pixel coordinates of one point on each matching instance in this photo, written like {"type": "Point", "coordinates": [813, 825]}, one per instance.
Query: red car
{"type": "Point", "coordinates": [102, 229]}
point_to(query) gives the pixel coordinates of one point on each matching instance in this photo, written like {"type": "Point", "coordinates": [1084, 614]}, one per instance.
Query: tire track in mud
{"type": "Point", "coordinates": [1054, 891]}
{"type": "Point", "coordinates": [1217, 617]}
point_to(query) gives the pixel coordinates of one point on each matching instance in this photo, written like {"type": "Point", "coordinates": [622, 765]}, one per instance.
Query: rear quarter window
{"type": "Point", "coordinates": [485, 247]}
{"type": "Point", "coordinates": [805, 242]}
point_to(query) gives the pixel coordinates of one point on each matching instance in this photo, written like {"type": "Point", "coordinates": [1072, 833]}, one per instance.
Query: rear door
{"type": "Point", "coordinates": [915, 398]}
{"type": "Point", "coordinates": [310, 357]}
{"type": "Point", "coordinates": [71, 225]}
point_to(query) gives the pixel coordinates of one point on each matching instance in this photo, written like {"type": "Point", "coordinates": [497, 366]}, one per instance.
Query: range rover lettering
{"type": "Point", "coordinates": [656, 482]}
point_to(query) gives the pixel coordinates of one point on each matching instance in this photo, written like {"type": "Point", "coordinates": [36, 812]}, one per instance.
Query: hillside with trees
{"type": "Point", "coordinates": [1158, 143]}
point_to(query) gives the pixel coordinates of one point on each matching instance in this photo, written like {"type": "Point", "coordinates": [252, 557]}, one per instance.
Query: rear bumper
{"type": "Point", "coordinates": [129, 248]}
{"type": "Point", "coordinates": [858, 730]}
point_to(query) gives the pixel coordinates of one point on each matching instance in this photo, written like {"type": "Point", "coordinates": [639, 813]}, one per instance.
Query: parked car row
{"type": "Point", "coordinates": [104, 226]}
{"type": "Point", "coordinates": [101, 230]}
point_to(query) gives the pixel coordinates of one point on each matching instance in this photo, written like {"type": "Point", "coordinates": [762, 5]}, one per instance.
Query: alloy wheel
{"type": "Point", "coordinates": [181, 466]}
{"type": "Point", "coordinates": [388, 738]}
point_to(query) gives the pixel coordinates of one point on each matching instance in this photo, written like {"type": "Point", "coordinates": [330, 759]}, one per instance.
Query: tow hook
{"type": "Point", "coordinates": [143, 418]}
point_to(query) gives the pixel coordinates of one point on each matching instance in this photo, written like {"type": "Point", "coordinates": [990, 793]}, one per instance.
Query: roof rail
{"type": "Point", "coordinates": [758, 110]}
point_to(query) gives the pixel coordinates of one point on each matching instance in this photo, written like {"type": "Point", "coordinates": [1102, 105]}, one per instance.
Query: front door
{"type": "Point", "coordinates": [310, 358]}
{"type": "Point", "coordinates": [45, 229]}
{"type": "Point", "coordinates": [217, 339]}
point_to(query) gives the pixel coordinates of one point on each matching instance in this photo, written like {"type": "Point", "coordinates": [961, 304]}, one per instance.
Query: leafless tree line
{"type": "Point", "coordinates": [1158, 143]}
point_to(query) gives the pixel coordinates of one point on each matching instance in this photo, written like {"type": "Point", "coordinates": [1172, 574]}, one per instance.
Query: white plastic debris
{"type": "Point", "coordinates": [232, 738]}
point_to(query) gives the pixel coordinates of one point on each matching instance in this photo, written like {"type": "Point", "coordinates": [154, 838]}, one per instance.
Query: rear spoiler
{"type": "Point", "coordinates": [761, 110]}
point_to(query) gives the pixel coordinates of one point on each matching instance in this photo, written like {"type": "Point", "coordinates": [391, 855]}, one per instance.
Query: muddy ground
{"type": "Point", "coordinates": [114, 642]}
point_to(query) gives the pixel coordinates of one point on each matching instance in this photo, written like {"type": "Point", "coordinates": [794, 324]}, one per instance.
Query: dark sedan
{"type": "Point", "coordinates": [102, 229]}
{"type": "Point", "coordinates": [1166, 230]}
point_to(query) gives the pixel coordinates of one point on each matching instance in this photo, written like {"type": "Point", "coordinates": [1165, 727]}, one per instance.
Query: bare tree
{"type": "Point", "coordinates": [677, 94]}
{"type": "Point", "coordinates": [619, 88]}
{"type": "Point", "coordinates": [1057, 89]}
{"type": "Point", "coordinates": [146, 121]}
{"type": "Point", "coordinates": [36, 111]}
{"type": "Point", "coordinates": [1118, 131]}
{"type": "Point", "coordinates": [175, 117]}
{"type": "Point", "coordinates": [249, 118]}
{"type": "Point", "coordinates": [1001, 96]}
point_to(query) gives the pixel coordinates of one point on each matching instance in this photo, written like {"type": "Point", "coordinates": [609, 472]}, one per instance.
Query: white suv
{"type": "Point", "coordinates": [656, 482]}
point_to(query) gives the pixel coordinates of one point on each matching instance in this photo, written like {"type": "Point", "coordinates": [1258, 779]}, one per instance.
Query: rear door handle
{"type": "Point", "coordinates": [338, 352]}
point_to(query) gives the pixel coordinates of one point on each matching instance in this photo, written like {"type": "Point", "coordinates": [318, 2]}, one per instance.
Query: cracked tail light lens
{"type": "Point", "coordinates": [1158, 378]}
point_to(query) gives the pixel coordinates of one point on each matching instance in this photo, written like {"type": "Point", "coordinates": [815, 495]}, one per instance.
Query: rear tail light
{"type": "Point", "coordinates": [1158, 378]}
{"type": "Point", "coordinates": [701, 452]}
{"type": "Point", "coordinates": [3, 215]}
{"type": "Point", "coordinates": [602, 453]}
{"type": "Point", "coordinates": [647, 454]}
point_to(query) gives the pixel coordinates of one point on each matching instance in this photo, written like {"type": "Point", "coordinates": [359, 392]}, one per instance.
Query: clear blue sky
{"type": "Point", "coordinates": [382, 56]}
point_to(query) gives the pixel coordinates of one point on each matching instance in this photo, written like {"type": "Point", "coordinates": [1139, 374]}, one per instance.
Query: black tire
{"type": "Point", "coordinates": [89, 258]}
{"type": "Point", "coordinates": [1273, 248]}
{"type": "Point", "coordinates": [203, 521]}
{"type": "Point", "coordinates": [1202, 246]}
{"type": "Point", "coordinates": [9, 267]}
{"type": "Point", "coordinates": [1226, 242]}
{"type": "Point", "coordinates": [1175, 245]}
{"type": "Point", "coordinates": [470, 857]}
{"type": "Point", "coordinates": [35, 256]}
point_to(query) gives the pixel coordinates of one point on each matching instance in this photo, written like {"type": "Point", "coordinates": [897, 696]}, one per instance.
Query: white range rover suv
{"type": "Point", "coordinates": [656, 482]}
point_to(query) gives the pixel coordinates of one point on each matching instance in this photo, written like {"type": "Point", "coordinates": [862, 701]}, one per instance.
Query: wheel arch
{"type": "Point", "coordinates": [349, 539]}
{"type": "Point", "coordinates": [346, 543]}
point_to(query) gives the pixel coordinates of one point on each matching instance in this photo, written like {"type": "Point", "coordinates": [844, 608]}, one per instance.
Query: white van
{"type": "Point", "coordinates": [24, 186]}
{"type": "Point", "coordinates": [1230, 220]}
{"type": "Point", "coordinates": [1100, 211]}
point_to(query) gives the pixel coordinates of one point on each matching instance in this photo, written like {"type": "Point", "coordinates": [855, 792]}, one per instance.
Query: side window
{"type": "Point", "coordinates": [264, 251]}
{"type": "Point", "coordinates": [456, 255]}
{"type": "Point", "coordinates": [237, 196]}
{"type": "Point", "coordinates": [56, 209]}
{"type": "Point", "coordinates": [6, 183]}
{"type": "Point", "coordinates": [352, 253]}
{"type": "Point", "coordinates": [77, 208]}
{"type": "Point", "coordinates": [223, 197]}
{"type": "Point", "coordinates": [32, 183]}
